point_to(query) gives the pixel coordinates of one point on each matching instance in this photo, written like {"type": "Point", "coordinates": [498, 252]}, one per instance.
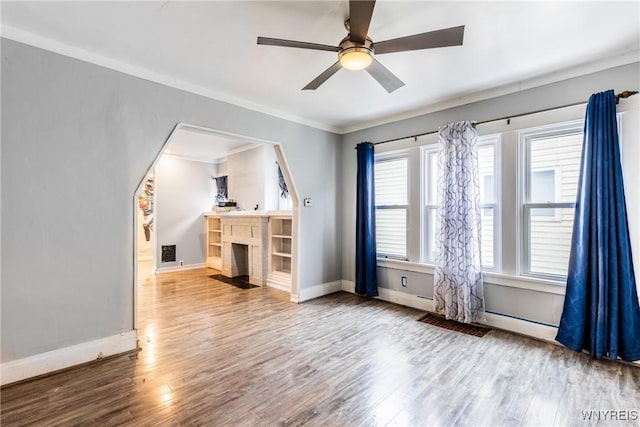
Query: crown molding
{"type": "Point", "coordinates": [32, 39]}
{"type": "Point", "coordinates": [189, 158]}
{"type": "Point", "coordinates": [625, 58]}
{"type": "Point", "coordinates": [35, 40]}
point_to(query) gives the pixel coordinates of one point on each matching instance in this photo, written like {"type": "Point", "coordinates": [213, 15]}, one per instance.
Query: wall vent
{"type": "Point", "coordinates": [168, 253]}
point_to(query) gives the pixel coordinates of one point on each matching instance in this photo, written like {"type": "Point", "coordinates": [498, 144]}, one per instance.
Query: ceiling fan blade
{"type": "Point", "coordinates": [440, 38]}
{"type": "Point", "coordinates": [360, 12]}
{"type": "Point", "coordinates": [386, 78]}
{"type": "Point", "coordinates": [315, 83]}
{"type": "Point", "coordinates": [292, 43]}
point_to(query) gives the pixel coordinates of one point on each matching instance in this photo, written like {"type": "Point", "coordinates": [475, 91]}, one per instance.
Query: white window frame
{"type": "Point", "coordinates": [386, 157]}
{"type": "Point", "coordinates": [525, 136]}
{"type": "Point", "coordinates": [425, 153]}
{"type": "Point", "coordinates": [495, 141]}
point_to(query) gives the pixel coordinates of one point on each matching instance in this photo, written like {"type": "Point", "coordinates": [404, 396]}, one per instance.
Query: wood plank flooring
{"type": "Point", "coordinates": [215, 355]}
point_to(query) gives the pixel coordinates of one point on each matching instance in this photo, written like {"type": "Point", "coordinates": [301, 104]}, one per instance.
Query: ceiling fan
{"type": "Point", "coordinates": [356, 51]}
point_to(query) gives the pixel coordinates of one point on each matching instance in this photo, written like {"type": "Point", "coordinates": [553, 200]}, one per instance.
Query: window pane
{"type": "Point", "coordinates": [550, 241]}
{"type": "Point", "coordinates": [391, 182]}
{"type": "Point", "coordinates": [487, 189]}
{"type": "Point", "coordinates": [391, 232]}
{"type": "Point", "coordinates": [432, 178]}
{"type": "Point", "coordinates": [554, 168]}
{"type": "Point", "coordinates": [543, 186]}
{"type": "Point", "coordinates": [431, 236]}
{"type": "Point", "coordinates": [486, 171]}
{"type": "Point", "coordinates": [486, 237]}
{"type": "Point", "coordinates": [543, 190]}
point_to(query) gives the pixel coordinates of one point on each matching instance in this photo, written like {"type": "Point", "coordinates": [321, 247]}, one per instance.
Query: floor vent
{"type": "Point", "coordinates": [452, 325]}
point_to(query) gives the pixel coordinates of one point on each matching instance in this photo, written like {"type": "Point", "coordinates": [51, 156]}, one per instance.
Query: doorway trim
{"type": "Point", "coordinates": [293, 192]}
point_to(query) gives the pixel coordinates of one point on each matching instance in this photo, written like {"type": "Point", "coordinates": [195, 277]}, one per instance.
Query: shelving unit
{"type": "Point", "coordinates": [213, 231]}
{"type": "Point", "coordinates": [280, 240]}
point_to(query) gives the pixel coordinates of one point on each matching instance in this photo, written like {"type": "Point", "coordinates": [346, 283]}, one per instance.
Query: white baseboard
{"type": "Point", "coordinates": [319, 290]}
{"type": "Point", "coordinates": [279, 286]}
{"type": "Point", "coordinates": [407, 300]}
{"type": "Point", "coordinates": [523, 327]}
{"type": "Point", "coordinates": [54, 360]}
{"type": "Point", "coordinates": [180, 268]}
{"type": "Point", "coordinates": [349, 286]}
{"type": "Point", "coordinates": [519, 326]}
{"type": "Point", "coordinates": [279, 280]}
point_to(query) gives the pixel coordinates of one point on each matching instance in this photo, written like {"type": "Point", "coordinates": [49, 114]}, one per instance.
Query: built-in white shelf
{"type": "Point", "coordinates": [278, 254]}
{"type": "Point", "coordinates": [280, 229]}
{"type": "Point", "coordinates": [286, 255]}
{"type": "Point", "coordinates": [213, 229]}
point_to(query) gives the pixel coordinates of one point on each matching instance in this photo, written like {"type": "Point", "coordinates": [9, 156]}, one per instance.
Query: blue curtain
{"type": "Point", "coordinates": [366, 282]}
{"type": "Point", "coordinates": [601, 312]}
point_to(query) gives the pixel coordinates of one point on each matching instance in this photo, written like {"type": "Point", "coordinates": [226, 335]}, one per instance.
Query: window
{"type": "Point", "coordinates": [528, 180]}
{"type": "Point", "coordinates": [221, 188]}
{"type": "Point", "coordinates": [284, 199]}
{"type": "Point", "coordinates": [488, 200]}
{"type": "Point", "coordinates": [431, 203]}
{"type": "Point", "coordinates": [391, 193]}
{"type": "Point", "coordinates": [550, 177]}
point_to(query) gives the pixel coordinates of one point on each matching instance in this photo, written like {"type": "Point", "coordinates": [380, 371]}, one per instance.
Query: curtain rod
{"type": "Point", "coordinates": [622, 95]}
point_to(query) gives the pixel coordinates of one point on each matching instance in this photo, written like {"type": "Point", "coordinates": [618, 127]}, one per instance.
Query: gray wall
{"type": "Point", "coordinates": [253, 178]}
{"type": "Point", "coordinates": [77, 140]}
{"type": "Point", "coordinates": [184, 191]}
{"type": "Point", "coordinates": [533, 305]}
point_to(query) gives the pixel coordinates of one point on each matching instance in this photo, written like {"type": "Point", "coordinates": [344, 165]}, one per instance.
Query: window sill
{"type": "Point", "coordinates": [519, 282]}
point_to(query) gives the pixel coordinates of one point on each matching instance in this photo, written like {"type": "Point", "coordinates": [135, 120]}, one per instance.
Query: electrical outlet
{"type": "Point", "coordinates": [404, 281]}
{"type": "Point", "coordinates": [181, 263]}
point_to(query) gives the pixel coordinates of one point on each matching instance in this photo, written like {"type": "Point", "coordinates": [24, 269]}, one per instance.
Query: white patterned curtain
{"type": "Point", "coordinates": [458, 291]}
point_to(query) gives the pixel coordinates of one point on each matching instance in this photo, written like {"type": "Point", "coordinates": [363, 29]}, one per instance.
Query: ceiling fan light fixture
{"type": "Point", "coordinates": [356, 58]}
{"type": "Point", "coordinates": [356, 51]}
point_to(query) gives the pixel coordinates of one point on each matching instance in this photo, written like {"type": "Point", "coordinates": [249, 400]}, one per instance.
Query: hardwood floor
{"type": "Point", "coordinates": [216, 355]}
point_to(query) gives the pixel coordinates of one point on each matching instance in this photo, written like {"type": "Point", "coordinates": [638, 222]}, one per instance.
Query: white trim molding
{"type": "Point", "coordinates": [42, 42]}
{"type": "Point", "coordinates": [318, 291]}
{"type": "Point", "coordinates": [523, 327]}
{"type": "Point", "coordinates": [180, 268]}
{"type": "Point", "coordinates": [617, 60]}
{"type": "Point", "coordinates": [519, 282]}
{"type": "Point", "coordinates": [511, 324]}
{"type": "Point", "coordinates": [36, 40]}
{"type": "Point", "coordinates": [55, 360]}
{"type": "Point", "coordinates": [278, 286]}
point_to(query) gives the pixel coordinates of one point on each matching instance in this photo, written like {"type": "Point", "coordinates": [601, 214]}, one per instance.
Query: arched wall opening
{"type": "Point", "coordinates": [281, 160]}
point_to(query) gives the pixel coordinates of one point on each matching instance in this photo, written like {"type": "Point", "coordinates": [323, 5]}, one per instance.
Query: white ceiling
{"type": "Point", "coordinates": [204, 146]}
{"type": "Point", "coordinates": [210, 48]}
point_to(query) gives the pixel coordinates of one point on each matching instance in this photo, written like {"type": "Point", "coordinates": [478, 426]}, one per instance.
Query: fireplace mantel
{"type": "Point", "coordinates": [251, 231]}
{"type": "Point", "coordinates": [243, 246]}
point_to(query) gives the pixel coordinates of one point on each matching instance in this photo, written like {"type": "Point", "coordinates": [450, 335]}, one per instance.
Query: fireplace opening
{"type": "Point", "coordinates": [239, 260]}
